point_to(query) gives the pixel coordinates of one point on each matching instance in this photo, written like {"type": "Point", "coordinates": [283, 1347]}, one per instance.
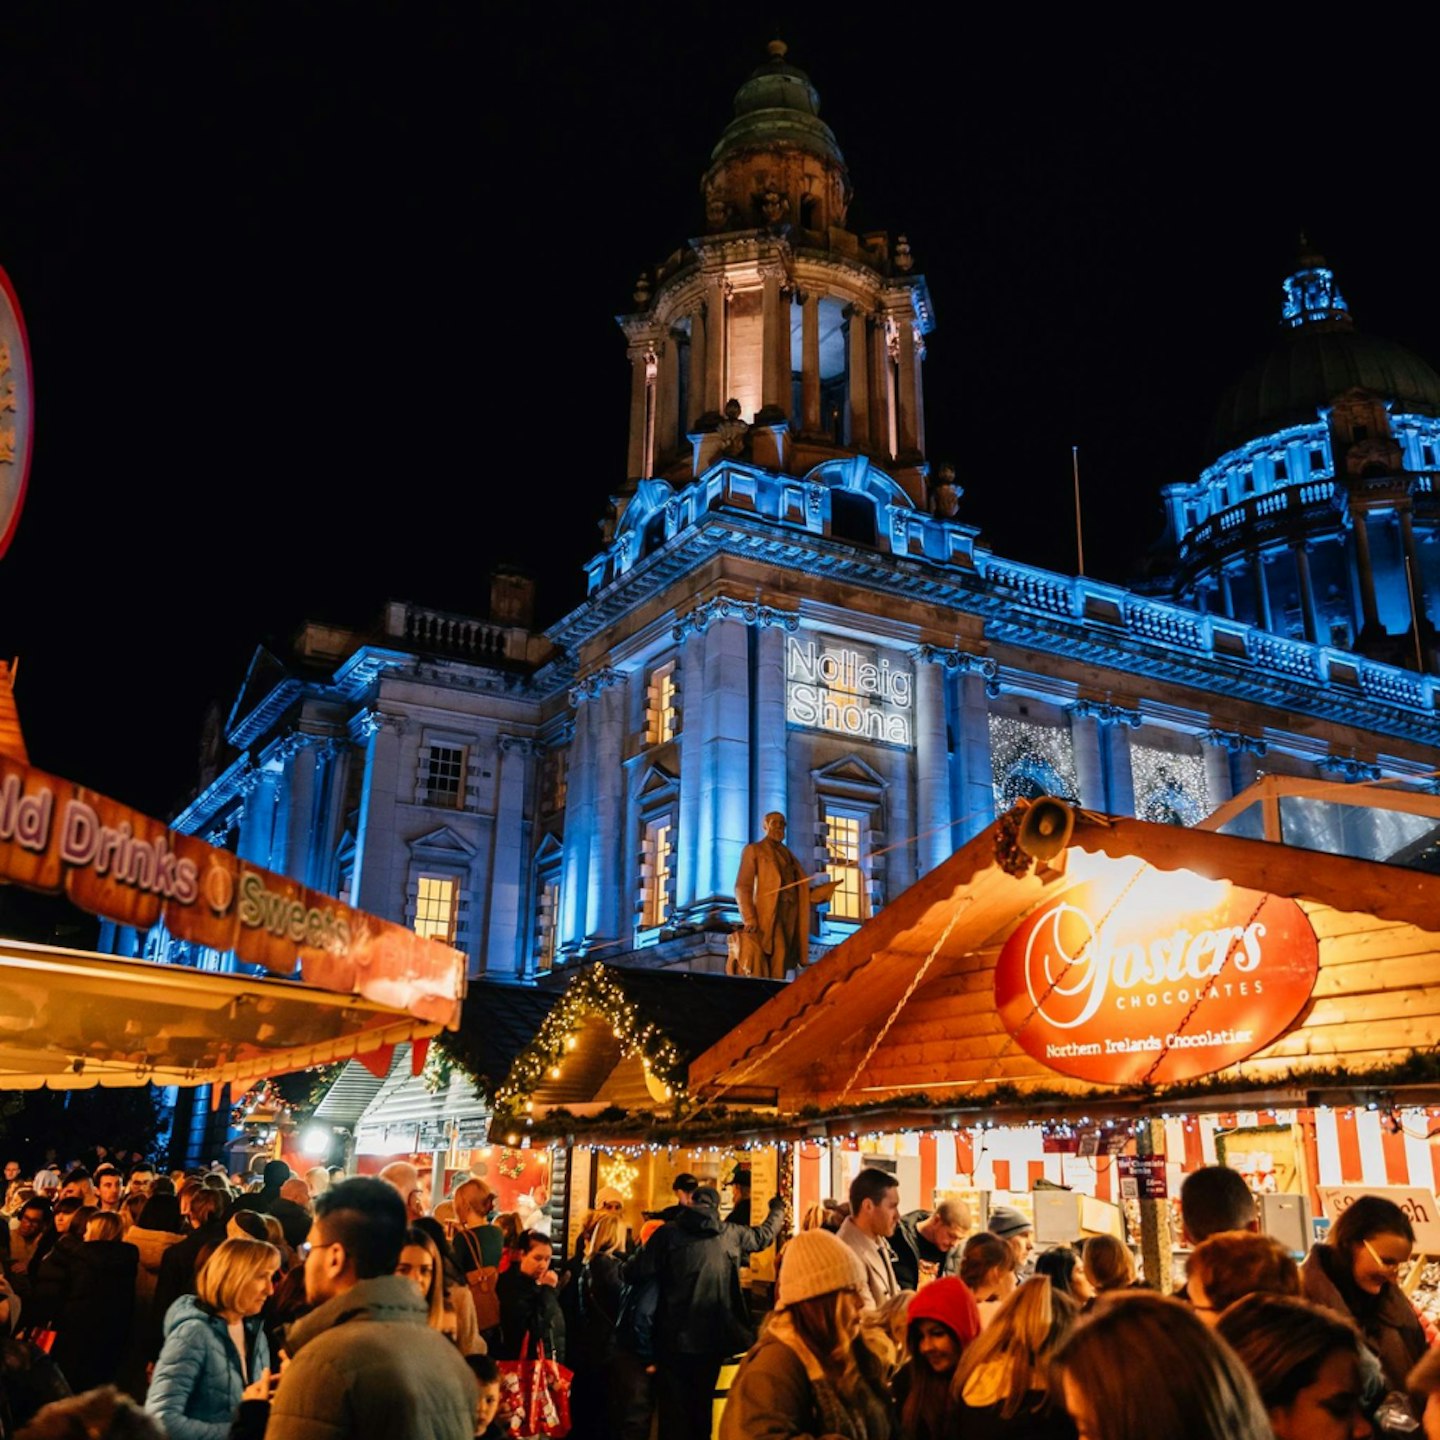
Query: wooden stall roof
{"type": "Point", "coordinates": [1376, 1000]}
{"type": "Point", "coordinates": [72, 1020]}
{"type": "Point", "coordinates": [689, 1009]}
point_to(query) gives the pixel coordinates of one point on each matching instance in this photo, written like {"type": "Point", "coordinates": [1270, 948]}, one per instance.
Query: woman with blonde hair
{"type": "Point", "coordinates": [1004, 1383]}
{"type": "Point", "coordinates": [591, 1342]}
{"type": "Point", "coordinates": [1143, 1366]}
{"type": "Point", "coordinates": [810, 1373]}
{"type": "Point", "coordinates": [479, 1248]}
{"type": "Point", "coordinates": [215, 1353]}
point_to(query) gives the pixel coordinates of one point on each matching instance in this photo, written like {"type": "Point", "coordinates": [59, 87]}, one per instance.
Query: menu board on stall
{"type": "Point", "coordinates": [764, 1182]}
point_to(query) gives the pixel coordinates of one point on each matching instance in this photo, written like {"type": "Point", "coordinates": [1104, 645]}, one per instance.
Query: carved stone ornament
{"type": "Point", "coordinates": [595, 683]}
{"type": "Point", "coordinates": [732, 430]}
{"type": "Point", "coordinates": [1106, 713]}
{"type": "Point", "coordinates": [960, 660]}
{"type": "Point", "coordinates": [745, 612]}
{"type": "Point", "coordinates": [1234, 743]}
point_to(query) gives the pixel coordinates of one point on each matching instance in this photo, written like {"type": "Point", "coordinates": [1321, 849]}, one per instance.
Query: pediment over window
{"type": "Point", "coordinates": [849, 770]}
{"type": "Point", "coordinates": [656, 780]}
{"type": "Point", "coordinates": [442, 844]}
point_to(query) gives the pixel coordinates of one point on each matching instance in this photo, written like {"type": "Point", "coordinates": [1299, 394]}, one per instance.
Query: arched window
{"type": "Point", "coordinates": [852, 517]}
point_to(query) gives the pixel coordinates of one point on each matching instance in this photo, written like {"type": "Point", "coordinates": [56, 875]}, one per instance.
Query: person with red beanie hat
{"type": "Point", "coordinates": [943, 1319]}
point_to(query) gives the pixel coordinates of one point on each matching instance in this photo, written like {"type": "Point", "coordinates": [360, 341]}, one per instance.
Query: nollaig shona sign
{"type": "Point", "coordinates": [831, 684]}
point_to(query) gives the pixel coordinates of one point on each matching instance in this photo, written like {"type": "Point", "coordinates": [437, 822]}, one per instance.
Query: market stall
{"type": "Point", "coordinates": [605, 1067]}
{"type": "Point", "coordinates": [1138, 1001]}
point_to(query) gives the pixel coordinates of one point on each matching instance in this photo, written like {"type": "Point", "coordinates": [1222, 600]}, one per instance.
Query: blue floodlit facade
{"type": "Point", "coordinates": [791, 613]}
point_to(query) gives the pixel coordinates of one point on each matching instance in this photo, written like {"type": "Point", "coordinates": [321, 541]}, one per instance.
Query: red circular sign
{"type": "Point", "coordinates": [17, 406]}
{"type": "Point", "coordinates": [1147, 977]}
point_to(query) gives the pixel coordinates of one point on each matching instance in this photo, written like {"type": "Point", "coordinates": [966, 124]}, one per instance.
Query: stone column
{"type": "Point", "coordinates": [376, 840]}
{"type": "Point", "coordinates": [1120, 780]}
{"type": "Point", "coordinates": [772, 277]}
{"type": "Point", "coordinates": [771, 776]}
{"type": "Point", "coordinates": [725, 824]}
{"type": "Point", "coordinates": [716, 378]}
{"type": "Point", "coordinates": [932, 761]}
{"type": "Point", "coordinates": [1262, 591]}
{"type": "Point", "coordinates": [908, 368]}
{"type": "Point", "coordinates": [667, 407]}
{"type": "Point", "coordinates": [882, 396]}
{"type": "Point", "coordinates": [636, 466]}
{"type": "Point", "coordinates": [692, 702]}
{"type": "Point", "coordinates": [302, 840]}
{"type": "Point", "coordinates": [1227, 595]}
{"type": "Point", "coordinates": [1368, 606]}
{"type": "Point", "coordinates": [859, 397]}
{"type": "Point", "coordinates": [504, 951]}
{"type": "Point", "coordinates": [1309, 614]}
{"type": "Point", "coordinates": [609, 842]}
{"type": "Point", "coordinates": [976, 807]}
{"type": "Point", "coordinates": [810, 364]}
{"type": "Point", "coordinates": [698, 342]}
{"type": "Point", "coordinates": [1416, 587]}
{"type": "Point", "coordinates": [1085, 742]}
{"type": "Point", "coordinates": [579, 822]}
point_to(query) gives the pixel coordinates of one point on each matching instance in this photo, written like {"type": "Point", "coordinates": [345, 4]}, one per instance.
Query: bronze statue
{"type": "Point", "coordinates": [775, 895]}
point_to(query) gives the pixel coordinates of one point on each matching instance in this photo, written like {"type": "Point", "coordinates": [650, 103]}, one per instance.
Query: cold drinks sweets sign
{"type": "Point", "coordinates": [1139, 976]}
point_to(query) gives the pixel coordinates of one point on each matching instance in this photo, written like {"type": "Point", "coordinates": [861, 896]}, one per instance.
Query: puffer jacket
{"type": "Point", "coordinates": [196, 1390]}
{"type": "Point", "coordinates": [365, 1365]}
{"type": "Point", "coordinates": [696, 1259]}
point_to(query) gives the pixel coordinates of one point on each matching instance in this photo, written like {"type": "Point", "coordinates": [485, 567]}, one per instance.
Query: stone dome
{"type": "Point", "coordinates": [1319, 355]}
{"type": "Point", "coordinates": [777, 105]}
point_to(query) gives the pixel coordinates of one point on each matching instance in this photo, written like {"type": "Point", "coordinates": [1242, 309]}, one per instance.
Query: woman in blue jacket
{"type": "Point", "coordinates": [215, 1352]}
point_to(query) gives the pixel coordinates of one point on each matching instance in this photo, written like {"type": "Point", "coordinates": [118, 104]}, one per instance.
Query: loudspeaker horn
{"type": "Point", "coordinates": [1046, 829]}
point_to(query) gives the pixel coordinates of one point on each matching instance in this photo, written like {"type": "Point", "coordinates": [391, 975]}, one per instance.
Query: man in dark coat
{"type": "Point", "coordinates": [701, 1317]}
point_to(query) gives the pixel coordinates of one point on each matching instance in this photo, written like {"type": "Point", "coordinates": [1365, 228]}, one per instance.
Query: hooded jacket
{"type": "Point", "coordinates": [195, 1392]}
{"type": "Point", "coordinates": [365, 1365]}
{"type": "Point", "coordinates": [696, 1261]}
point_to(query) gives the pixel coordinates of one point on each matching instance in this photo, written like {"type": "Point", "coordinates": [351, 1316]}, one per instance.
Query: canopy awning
{"type": "Point", "coordinates": [910, 1005]}
{"type": "Point", "coordinates": [72, 1020]}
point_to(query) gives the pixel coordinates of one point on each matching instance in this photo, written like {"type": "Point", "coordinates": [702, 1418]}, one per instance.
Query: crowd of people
{"type": "Point", "coordinates": [318, 1306]}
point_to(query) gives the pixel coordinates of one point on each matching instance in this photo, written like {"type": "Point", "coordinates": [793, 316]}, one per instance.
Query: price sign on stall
{"type": "Point", "coordinates": [1142, 1177]}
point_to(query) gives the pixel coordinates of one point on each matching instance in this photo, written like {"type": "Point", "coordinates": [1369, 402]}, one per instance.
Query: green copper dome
{"type": "Point", "coordinates": [778, 105]}
{"type": "Point", "coordinates": [1320, 354]}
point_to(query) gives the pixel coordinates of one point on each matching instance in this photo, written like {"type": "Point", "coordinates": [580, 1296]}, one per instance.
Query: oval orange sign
{"type": "Point", "coordinates": [1125, 983]}
{"type": "Point", "coordinates": [16, 412]}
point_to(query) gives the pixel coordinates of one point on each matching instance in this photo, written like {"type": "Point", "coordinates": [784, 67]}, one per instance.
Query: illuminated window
{"type": "Point", "coordinates": [844, 834]}
{"type": "Point", "coordinates": [655, 872]}
{"type": "Point", "coordinates": [662, 717]}
{"type": "Point", "coordinates": [436, 903]}
{"type": "Point", "coordinates": [444, 776]}
{"type": "Point", "coordinates": [547, 927]}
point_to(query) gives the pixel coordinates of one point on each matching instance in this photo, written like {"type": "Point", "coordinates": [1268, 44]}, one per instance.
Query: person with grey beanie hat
{"type": "Point", "coordinates": [811, 1372]}
{"type": "Point", "coordinates": [1009, 1225]}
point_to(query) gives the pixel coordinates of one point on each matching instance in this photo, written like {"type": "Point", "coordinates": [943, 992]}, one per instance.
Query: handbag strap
{"type": "Point", "coordinates": [472, 1245]}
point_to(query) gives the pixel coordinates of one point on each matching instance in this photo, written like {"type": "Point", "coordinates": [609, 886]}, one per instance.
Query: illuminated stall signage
{"type": "Point", "coordinates": [1144, 976]}
{"type": "Point", "coordinates": [832, 686]}
{"type": "Point", "coordinates": [113, 861]}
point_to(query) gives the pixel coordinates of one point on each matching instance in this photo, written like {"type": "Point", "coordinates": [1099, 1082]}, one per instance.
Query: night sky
{"type": "Point", "coordinates": [321, 299]}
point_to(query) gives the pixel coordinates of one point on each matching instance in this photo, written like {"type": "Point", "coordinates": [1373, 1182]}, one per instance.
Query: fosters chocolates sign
{"type": "Point", "coordinates": [116, 862]}
{"type": "Point", "coordinates": [1154, 977]}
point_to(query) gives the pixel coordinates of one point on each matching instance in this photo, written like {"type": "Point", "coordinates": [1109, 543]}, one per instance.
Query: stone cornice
{"type": "Point", "coordinates": [1025, 606]}
{"type": "Point", "coordinates": [723, 607]}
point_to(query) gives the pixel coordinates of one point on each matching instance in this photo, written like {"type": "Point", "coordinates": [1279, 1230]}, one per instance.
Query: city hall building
{"type": "Point", "coordinates": [790, 613]}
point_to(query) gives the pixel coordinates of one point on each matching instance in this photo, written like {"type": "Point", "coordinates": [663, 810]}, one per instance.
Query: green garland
{"type": "Point", "coordinates": [595, 991]}
{"type": "Point", "coordinates": [718, 1122]}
